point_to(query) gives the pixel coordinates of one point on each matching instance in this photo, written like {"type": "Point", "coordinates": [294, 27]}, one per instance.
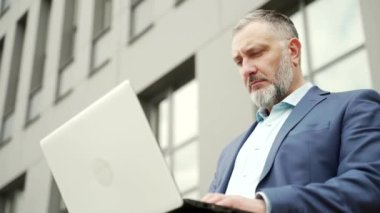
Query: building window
{"type": "Point", "coordinates": [4, 5]}
{"type": "Point", "coordinates": [8, 201]}
{"type": "Point", "coordinates": [11, 194]}
{"type": "Point", "coordinates": [333, 43]}
{"type": "Point", "coordinates": [101, 25]}
{"type": "Point", "coordinates": [68, 33]}
{"type": "Point", "coordinates": [56, 203]}
{"type": "Point", "coordinates": [10, 101]}
{"type": "Point", "coordinates": [343, 74]}
{"type": "Point", "coordinates": [34, 101]}
{"type": "Point", "coordinates": [67, 49]}
{"type": "Point", "coordinates": [141, 18]}
{"type": "Point", "coordinates": [171, 105]}
{"type": "Point", "coordinates": [62, 207]}
{"type": "Point", "coordinates": [102, 17]}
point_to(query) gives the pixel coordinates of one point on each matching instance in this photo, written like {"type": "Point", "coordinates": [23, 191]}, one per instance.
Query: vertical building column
{"type": "Point", "coordinates": [370, 17]}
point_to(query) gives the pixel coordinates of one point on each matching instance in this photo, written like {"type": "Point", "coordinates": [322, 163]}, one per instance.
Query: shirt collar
{"type": "Point", "coordinates": [289, 102]}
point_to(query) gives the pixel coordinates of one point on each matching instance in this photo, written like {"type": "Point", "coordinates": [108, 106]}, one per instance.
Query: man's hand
{"type": "Point", "coordinates": [235, 201]}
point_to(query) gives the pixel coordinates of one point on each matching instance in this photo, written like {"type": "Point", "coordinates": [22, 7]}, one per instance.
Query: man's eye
{"type": "Point", "coordinates": [258, 53]}
{"type": "Point", "coordinates": [238, 62]}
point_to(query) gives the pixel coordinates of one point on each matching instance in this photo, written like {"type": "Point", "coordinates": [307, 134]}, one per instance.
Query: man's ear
{"type": "Point", "coordinates": [294, 47]}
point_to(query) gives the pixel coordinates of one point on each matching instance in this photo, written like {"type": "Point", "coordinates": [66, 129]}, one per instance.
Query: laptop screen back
{"type": "Point", "coordinates": [106, 159]}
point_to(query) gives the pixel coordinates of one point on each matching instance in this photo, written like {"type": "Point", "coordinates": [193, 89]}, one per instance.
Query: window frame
{"type": "Point", "coordinates": [291, 7]}
{"type": "Point", "coordinates": [100, 15]}
{"type": "Point", "coordinates": [14, 75]}
{"type": "Point", "coordinates": [9, 192]}
{"type": "Point", "coordinates": [39, 60]}
{"type": "Point", "coordinates": [4, 6]}
{"type": "Point", "coordinates": [97, 35]}
{"type": "Point", "coordinates": [164, 89]}
{"type": "Point", "coordinates": [134, 36]}
{"type": "Point", "coordinates": [69, 27]}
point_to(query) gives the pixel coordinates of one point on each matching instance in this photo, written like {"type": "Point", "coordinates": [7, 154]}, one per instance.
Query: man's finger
{"type": "Point", "coordinates": [212, 198]}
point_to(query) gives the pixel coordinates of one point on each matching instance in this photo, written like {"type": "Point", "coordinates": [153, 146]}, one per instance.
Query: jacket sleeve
{"type": "Point", "coordinates": [356, 186]}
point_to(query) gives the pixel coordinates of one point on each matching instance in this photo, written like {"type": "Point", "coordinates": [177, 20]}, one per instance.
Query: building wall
{"type": "Point", "coordinates": [193, 28]}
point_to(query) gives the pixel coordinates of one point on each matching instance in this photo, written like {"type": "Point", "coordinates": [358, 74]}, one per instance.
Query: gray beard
{"type": "Point", "coordinates": [277, 91]}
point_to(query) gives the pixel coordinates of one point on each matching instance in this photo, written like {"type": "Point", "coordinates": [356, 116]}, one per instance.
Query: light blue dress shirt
{"type": "Point", "coordinates": [252, 156]}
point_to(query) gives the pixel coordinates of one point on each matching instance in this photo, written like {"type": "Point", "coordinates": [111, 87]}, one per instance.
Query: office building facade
{"type": "Point", "coordinates": [57, 57]}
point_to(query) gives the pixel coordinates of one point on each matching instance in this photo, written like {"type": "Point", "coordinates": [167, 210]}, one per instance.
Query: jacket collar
{"type": "Point", "coordinates": [306, 104]}
{"type": "Point", "coordinates": [312, 98]}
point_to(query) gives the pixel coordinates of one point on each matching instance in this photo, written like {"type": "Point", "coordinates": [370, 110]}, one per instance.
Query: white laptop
{"type": "Point", "coordinates": [107, 160]}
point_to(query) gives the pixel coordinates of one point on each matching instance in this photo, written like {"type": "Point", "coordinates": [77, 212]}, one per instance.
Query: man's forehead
{"type": "Point", "coordinates": [255, 28]}
{"type": "Point", "coordinates": [254, 35]}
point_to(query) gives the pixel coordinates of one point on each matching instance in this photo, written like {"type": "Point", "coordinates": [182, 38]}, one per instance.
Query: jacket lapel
{"type": "Point", "coordinates": [230, 158]}
{"type": "Point", "coordinates": [306, 104]}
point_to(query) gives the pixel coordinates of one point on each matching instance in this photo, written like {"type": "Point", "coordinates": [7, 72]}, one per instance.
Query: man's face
{"type": "Point", "coordinates": [264, 63]}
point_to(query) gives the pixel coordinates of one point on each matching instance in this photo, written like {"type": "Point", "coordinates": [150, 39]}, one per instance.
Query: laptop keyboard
{"type": "Point", "coordinates": [191, 206]}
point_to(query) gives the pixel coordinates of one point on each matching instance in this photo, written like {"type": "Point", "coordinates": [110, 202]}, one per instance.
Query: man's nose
{"type": "Point", "coordinates": [249, 68]}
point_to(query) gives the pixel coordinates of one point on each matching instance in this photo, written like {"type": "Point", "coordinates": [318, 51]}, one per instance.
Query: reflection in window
{"type": "Point", "coordinates": [13, 79]}
{"type": "Point", "coordinates": [67, 49]}
{"type": "Point", "coordinates": [102, 17]}
{"type": "Point", "coordinates": [7, 127]}
{"type": "Point", "coordinates": [101, 24]}
{"type": "Point", "coordinates": [4, 5]}
{"type": "Point", "coordinates": [68, 33]}
{"type": "Point", "coordinates": [11, 194]}
{"type": "Point", "coordinates": [185, 167]}
{"type": "Point", "coordinates": [352, 73]}
{"type": "Point", "coordinates": [8, 202]}
{"type": "Point", "coordinates": [141, 18]}
{"type": "Point", "coordinates": [332, 40]}
{"type": "Point", "coordinates": [335, 28]}
{"type": "Point", "coordinates": [64, 84]}
{"type": "Point", "coordinates": [34, 108]}
{"type": "Point", "coordinates": [185, 111]}
{"type": "Point", "coordinates": [171, 105]}
{"type": "Point", "coordinates": [163, 127]}
{"type": "Point", "coordinates": [176, 116]}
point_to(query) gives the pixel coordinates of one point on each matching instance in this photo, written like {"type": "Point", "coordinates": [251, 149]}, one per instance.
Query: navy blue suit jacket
{"type": "Point", "coordinates": [325, 158]}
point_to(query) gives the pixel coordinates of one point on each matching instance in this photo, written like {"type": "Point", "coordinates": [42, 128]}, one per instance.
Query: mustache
{"type": "Point", "coordinates": [253, 78]}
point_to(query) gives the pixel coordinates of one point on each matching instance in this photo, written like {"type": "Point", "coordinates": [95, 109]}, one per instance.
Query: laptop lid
{"type": "Point", "coordinates": [106, 159]}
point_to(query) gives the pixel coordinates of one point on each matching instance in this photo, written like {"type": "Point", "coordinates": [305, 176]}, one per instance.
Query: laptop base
{"type": "Point", "coordinates": [191, 206]}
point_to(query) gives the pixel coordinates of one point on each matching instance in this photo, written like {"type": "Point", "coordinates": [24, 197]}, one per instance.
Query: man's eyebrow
{"type": "Point", "coordinates": [248, 50]}
{"type": "Point", "coordinates": [236, 57]}
{"type": "Point", "coordinates": [254, 48]}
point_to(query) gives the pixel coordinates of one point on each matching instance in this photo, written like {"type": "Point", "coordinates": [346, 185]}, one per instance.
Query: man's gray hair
{"type": "Point", "coordinates": [280, 23]}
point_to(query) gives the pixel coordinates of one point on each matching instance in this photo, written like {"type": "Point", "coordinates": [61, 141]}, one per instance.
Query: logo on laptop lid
{"type": "Point", "coordinates": [102, 172]}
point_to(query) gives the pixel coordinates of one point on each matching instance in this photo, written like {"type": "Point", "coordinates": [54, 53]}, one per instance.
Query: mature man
{"type": "Point", "coordinates": [309, 150]}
